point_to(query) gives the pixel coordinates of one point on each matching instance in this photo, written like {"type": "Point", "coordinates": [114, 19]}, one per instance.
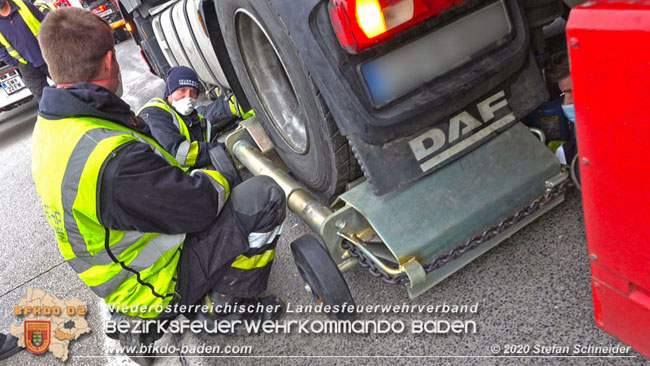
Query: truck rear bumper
{"type": "Point", "coordinates": [415, 226]}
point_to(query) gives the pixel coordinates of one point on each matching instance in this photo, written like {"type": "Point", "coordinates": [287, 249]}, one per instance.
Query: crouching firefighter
{"type": "Point", "coordinates": [138, 229]}
{"type": "Point", "coordinates": [183, 130]}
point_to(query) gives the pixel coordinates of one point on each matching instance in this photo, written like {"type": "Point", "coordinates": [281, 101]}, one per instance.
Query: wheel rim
{"type": "Point", "coordinates": [310, 283]}
{"type": "Point", "coordinates": [271, 82]}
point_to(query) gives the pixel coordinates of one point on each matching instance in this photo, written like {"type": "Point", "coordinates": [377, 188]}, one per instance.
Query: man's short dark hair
{"type": "Point", "coordinates": [74, 42]}
{"type": "Point", "coordinates": [559, 68]}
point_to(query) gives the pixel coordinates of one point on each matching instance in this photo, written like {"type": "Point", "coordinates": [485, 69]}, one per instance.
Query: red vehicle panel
{"type": "Point", "coordinates": [611, 83]}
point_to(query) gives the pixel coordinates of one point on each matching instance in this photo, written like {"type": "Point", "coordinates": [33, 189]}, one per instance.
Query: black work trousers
{"type": "Point", "coordinates": [256, 206]}
{"type": "Point", "coordinates": [35, 78]}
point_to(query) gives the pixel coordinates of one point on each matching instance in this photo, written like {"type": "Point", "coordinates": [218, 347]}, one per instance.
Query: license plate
{"type": "Point", "coordinates": [106, 13]}
{"type": "Point", "coordinates": [418, 62]}
{"type": "Point", "coordinates": [13, 85]}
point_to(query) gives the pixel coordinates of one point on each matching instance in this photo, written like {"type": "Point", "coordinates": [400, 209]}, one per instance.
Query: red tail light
{"type": "Point", "coordinates": [99, 9]}
{"type": "Point", "coordinates": [361, 24]}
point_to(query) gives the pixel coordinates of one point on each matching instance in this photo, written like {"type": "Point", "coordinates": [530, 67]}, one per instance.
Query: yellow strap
{"type": "Point", "coordinates": [152, 103]}
{"type": "Point", "coordinates": [12, 51]}
{"type": "Point", "coordinates": [219, 178]}
{"type": "Point", "coordinates": [180, 123]}
{"type": "Point", "coordinates": [192, 155]}
{"type": "Point", "coordinates": [32, 23]}
{"type": "Point", "coordinates": [256, 261]}
{"type": "Point", "coordinates": [207, 134]}
{"type": "Point", "coordinates": [236, 110]}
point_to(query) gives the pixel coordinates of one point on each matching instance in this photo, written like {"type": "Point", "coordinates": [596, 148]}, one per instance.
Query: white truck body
{"type": "Point", "coordinates": [183, 39]}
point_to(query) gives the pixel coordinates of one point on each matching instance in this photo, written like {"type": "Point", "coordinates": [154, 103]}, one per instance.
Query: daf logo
{"type": "Point", "coordinates": [427, 147]}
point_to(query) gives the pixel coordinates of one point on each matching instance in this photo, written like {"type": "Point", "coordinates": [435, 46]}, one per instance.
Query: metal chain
{"type": "Point", "coordinates": [470, 244]}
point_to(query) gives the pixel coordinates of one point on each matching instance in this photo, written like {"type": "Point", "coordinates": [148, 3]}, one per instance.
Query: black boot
{"type": "Point", "coordinates": [135, 341]}
{"type": "Point", "coordinates": [8, 346]}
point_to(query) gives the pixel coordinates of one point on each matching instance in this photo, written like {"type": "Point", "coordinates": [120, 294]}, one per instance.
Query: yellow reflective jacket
{"type": "Point", "coordinates": [123, 267]}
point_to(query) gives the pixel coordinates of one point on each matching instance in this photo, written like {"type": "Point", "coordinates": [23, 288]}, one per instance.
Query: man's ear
{"type": "Point", "coordinates": [109, 61]}
{"type": "Point", "coordinates": [106, 68]}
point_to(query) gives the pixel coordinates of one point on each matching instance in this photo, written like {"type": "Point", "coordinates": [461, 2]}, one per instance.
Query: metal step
{"type": "Point", "coordinates": [415, 225]}
{"type": "Point", "coordinates": [445, 208]}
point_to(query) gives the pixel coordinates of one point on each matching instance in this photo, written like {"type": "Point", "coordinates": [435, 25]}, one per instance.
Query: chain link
{"type": "Point", "coordinates": [470, 244]}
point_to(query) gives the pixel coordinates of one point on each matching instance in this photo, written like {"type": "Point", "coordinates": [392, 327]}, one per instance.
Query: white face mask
{"type": "Point", "coordinates": [184, 106]}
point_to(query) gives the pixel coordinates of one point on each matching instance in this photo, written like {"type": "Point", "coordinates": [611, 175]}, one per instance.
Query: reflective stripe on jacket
{"type": "Point", "coordinates": [32, 23]}
{"type": "Point", "coordinates": [44, 6]}
{"type": "Point", "coordinates": [188, 150]}
{"type": "Point", "coordinates": [124, 267]}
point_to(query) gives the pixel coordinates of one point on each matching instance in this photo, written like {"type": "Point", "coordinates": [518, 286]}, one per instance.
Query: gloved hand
{"type": "Point", "coordinates": [215, 93]}
{"type": "Point", "coordinates": [236, 109]}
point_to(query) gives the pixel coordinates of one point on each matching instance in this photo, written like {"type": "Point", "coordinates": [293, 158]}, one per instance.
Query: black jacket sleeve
{"type": "Point", "coordinates": [141, 191]}
{"type": "Point", "coordinates": [165, 132]}
{"type": "Point", "coordinates": [218, 113]}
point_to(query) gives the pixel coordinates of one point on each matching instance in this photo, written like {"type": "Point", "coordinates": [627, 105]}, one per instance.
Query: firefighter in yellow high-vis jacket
{"type": "Point", "coordinates": [136, 227]}
{"type": "Point", "coordinates": [185, 130]}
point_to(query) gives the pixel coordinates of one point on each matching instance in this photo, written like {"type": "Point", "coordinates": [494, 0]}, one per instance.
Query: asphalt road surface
{"type": "Point", "coordinates": [532, 290]}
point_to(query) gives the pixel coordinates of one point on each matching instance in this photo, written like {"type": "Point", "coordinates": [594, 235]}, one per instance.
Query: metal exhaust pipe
{"type": "Point", "coordinates": [299, 199]}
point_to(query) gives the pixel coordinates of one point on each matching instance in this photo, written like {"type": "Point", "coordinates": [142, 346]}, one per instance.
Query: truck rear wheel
{"type": "Point", "coordinates": [280, 90]}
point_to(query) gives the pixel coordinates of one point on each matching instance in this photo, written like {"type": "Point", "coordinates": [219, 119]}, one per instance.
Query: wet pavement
{"type": "Point", "coordinates": [533, 290]}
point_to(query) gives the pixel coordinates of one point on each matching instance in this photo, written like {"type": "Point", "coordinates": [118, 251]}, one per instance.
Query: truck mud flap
{"type": "Point", "coordinates": [399, 163]}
